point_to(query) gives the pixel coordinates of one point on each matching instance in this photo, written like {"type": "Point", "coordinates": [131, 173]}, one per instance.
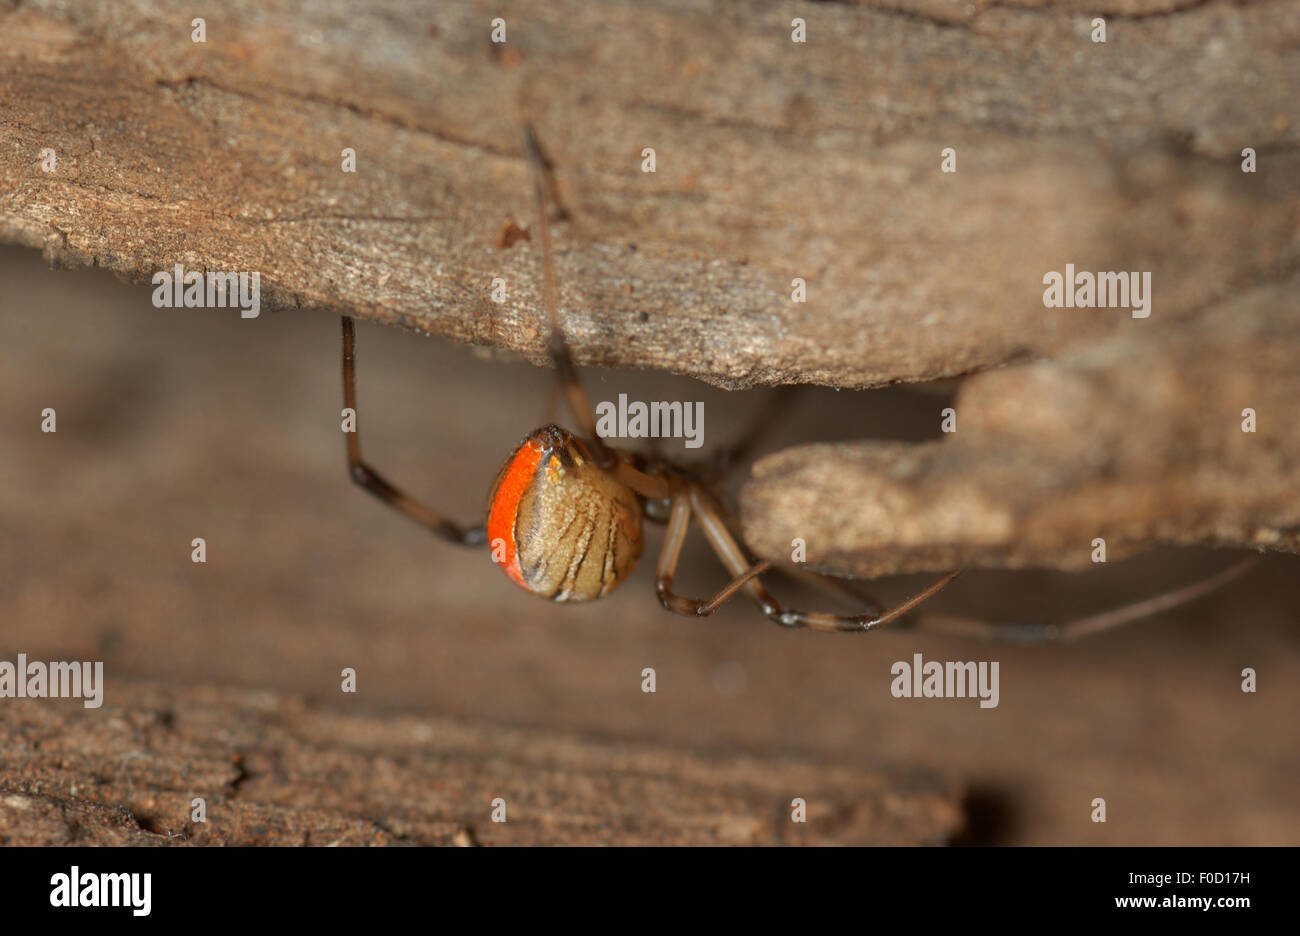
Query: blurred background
{"type": "Point", "coordinates": [176, 424]}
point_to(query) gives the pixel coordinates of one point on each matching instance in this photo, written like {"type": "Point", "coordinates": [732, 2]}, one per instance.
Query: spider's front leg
{"type": "Point", "coordinates": [557, 346]}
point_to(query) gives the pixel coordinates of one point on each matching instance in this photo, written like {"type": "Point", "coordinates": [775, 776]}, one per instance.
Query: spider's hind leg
{"type": "Point", "coordinates": [557, 346]}
{"type": "Point", "coordinates": [1086, 626]}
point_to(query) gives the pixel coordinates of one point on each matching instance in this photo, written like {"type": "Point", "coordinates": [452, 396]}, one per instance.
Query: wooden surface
{"type": "Point", "coordinates": [273, 771]}
{"type": "Point", "coordinates": [1136, 440]}
{"type": "Point", "coordinates": [179, 423]}
{"type": "Point", "coordinates": [776, 160]}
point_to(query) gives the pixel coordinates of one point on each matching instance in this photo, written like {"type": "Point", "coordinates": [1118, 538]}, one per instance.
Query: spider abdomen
{"type": "Point", "coordinates": [558, 525]}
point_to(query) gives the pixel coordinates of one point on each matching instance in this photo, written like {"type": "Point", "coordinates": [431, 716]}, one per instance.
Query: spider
{"type": "Point", "coordinates": [565, 514]}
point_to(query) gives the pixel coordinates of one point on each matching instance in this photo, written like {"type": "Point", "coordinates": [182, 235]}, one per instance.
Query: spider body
{"type": "Point", "coordinates": [560, 526]}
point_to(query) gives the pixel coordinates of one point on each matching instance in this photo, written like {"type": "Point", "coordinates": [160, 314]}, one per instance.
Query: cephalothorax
{"type": "Point", "coordinates": [565, 515]}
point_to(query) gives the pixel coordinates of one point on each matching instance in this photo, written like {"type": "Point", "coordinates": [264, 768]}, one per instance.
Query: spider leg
{"type": "Point", "coordinates": [725, 545]}
{"type": "Point", "coordinates": [828, 583]}
{"type": "Point", "coordinates": [777, 405]}
{"type": "Point", "coordinates": [375, 483]}
{"type": "Point", "coordinates": [1086, 626]}
{"type": "Point", "coordinates": [694, 500]}
{"type": "Point", "coordinates": [678, 522]}
{"type": "Point", "coordinates": [831, 583]}
{"type": "Point", "coordinates": [566, 372]}
{"type": "Point", "coordinates": [557, 346]}
{"type": "Point", "coordinates": [553, 404]}
{"type": "Point", "coordinates": [537, 156]}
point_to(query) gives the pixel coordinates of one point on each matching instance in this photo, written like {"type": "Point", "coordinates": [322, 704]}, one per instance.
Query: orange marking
{"type": "Point", "coordinates": [505, 505]}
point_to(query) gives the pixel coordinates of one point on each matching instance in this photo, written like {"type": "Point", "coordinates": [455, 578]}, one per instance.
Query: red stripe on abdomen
{"type": "Point", "coordinates": [515, 480]}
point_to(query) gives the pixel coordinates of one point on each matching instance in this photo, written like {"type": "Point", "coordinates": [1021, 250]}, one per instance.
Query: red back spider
{"type": "Point", "coordinates": [564, 515]}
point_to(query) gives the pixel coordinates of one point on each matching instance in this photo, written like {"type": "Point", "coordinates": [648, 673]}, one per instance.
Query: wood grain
{"type": "Point", "coordinates": [776, 160]}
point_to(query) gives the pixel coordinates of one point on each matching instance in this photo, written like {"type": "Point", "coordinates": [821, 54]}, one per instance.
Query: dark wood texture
{"type": "Point", "coordinates": [273, 771]}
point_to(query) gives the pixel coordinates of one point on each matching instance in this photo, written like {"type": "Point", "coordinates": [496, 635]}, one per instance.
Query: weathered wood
{"type": "Point", "coordinates": [181, 424]}
{"type": "Point", "coordinates": [273, 771]}
{"type": "Point", "coordinates": [775, 160]}
{"type": "Point", "coordinates": [1138, 440]}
